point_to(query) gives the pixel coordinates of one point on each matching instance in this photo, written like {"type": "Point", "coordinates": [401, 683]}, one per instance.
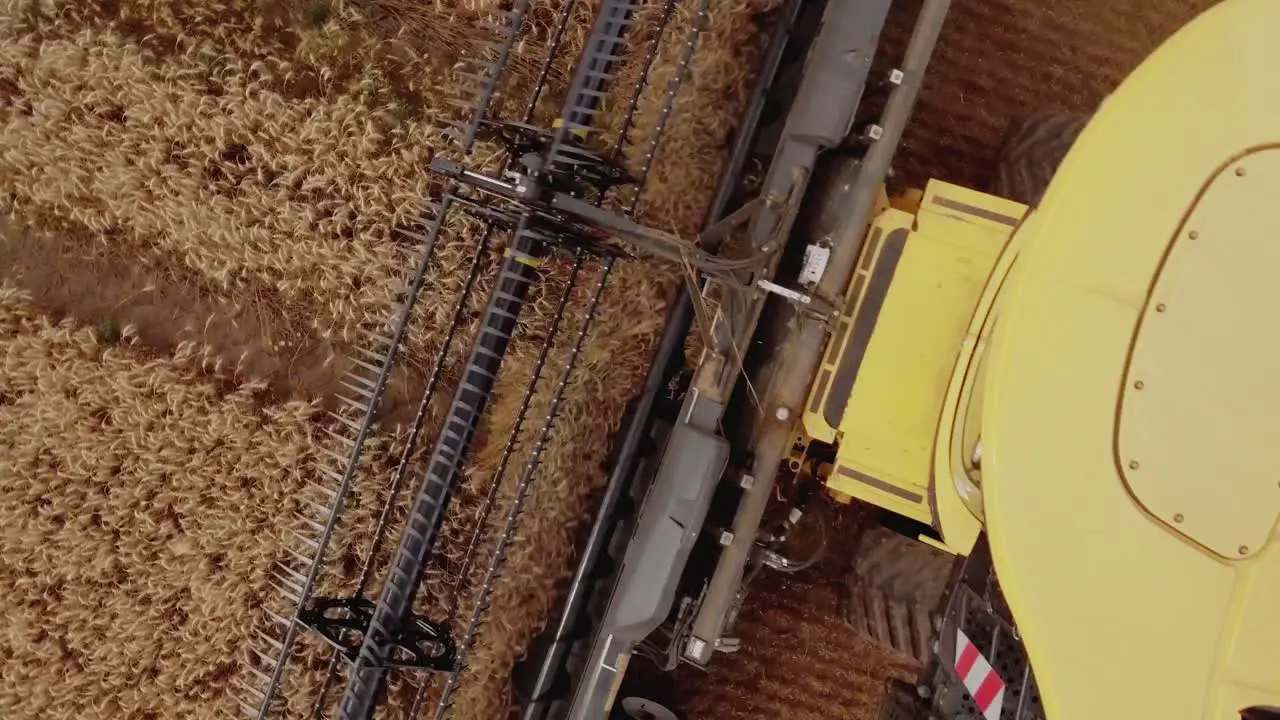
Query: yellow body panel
{"type": "Point", "coordinates": [1122, 614]}
{"type": "Point", "coordinates": [1195, 437]}
{"type": "Point", "coordinates": [910, 307]}
{"type": "Point", "coordinates": [956, 487]}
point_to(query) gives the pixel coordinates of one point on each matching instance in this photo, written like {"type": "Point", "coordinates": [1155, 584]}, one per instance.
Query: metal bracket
{"type": "Point", "coordinates": [786, 293]}
{"type": "Point", "coordinates": [806, 304]}
{"type": "Point", "coordinates": [713, 235]}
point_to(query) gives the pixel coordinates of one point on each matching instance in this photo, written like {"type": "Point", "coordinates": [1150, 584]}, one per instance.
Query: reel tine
{"type": "Point", "coordinates": [318, 527]}
{"type": "Point", "coordinates": [342, 440]}
{"type": "Point", "coordinates": [272, 642]}
{"type": "Point", "coordinates": [288, 592]}
{"type": "Point", "coordinates": [330, 474]}
{"type": "Point", "coordinates": [477, 89]}
{"type": "Point", "coordinates": [252, 691]}
{"type": "Point", "coordinates": [276, 618]}
{"type": "Point", "coordinates": [249, 709]}
{"type": "Point", "coordinates": [267, 658]}
{"type": "Point", "coordinates": [305, 540]}
{"type": "Point", "coordinates": [291, 572]}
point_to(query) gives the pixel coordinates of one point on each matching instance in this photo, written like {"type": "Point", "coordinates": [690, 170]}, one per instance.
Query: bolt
{"type": "Point", "coordinates": [747, 482]}
{"type": "Point", "coordinates": [1193, 234]}
{"type": "Point", "coordinates": [726, 538]}
{"type": "Point", "coordinates": [1160, 307]}
{"type": "Point", "coordinates": [1178, 518]}
{"type": "Point", "coordinates": [896, 77]}
{"type": "Point", "coordinates": [1133, 464]}
{"type": "Point", "coordinates": [1244, 549]}
{"type": "Point", "coordinates": [783, 414]}
{"type": "Point", "coordinates": [1240, 172]}
{"type": "Point", "coordinates": [1138, 385]}
{"type": "Point", "coordinates": [875, 132]}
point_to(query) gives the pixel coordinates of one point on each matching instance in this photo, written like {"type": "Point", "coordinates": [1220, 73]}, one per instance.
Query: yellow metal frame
{"type": "Point", "coordinates": [882, 385]}
{"type": "Point", "coordinates": [956, 485]}
{"type": "Point", "coordinates": [1123, 614]}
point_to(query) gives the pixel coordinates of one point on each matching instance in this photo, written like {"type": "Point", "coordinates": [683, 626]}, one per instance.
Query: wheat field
{"type": "Point", "coordinates": [202, 203]}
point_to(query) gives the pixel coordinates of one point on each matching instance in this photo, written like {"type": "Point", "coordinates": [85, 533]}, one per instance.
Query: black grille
{"type": "Point", "coordinates": [978, 608]}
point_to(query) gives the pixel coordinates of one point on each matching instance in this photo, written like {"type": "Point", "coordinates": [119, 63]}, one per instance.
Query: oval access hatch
{"type": "Point", "coordinates": [1198, 439]}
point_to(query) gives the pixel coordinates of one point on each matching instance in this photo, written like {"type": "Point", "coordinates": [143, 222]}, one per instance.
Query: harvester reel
{"type": "Point", "coordinates": [516, 206]}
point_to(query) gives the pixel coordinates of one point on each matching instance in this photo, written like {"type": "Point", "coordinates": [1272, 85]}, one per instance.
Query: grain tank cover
{"type": "Point", "coordinates": [1129, 525]}
{"type": "Point", "coordinates": [1196, 438]}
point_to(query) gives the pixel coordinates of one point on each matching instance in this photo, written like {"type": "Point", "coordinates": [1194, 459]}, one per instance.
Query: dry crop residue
{"type": "Point", "coordinates": [228, 175]}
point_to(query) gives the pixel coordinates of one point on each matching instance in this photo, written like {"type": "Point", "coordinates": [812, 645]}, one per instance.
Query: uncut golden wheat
{"type": "Point", "coordinates": [262, 155]}
{"type": "Point", "coordinates": [140, 509]}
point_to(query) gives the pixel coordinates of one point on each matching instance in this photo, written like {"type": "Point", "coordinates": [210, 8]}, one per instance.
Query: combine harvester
{"type": "Point", "coordinates": [1054, 402]}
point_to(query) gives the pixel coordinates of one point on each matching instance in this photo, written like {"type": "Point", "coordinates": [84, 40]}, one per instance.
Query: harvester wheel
{"type": "Point", "coordinates": [894, 592]}
{"type": "Point", "coordinates": [639, 708]}
{"type": "Point", "coordinates": [1033, 149]}
{"type": "Point", "coordinates": [903, 701]}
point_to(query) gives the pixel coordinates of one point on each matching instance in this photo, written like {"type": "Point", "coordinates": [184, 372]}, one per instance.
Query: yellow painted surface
{"type": "Point", "coordinates": [1198, 419]}
{"type": "Point", "coordinates": [887, 220]}
{"type": "Point", "coordinates": [1123, 616]}
{"type": "Point", "coordinates": [886, 437]}
{"type": "Point", "coordinates": [956, 487]}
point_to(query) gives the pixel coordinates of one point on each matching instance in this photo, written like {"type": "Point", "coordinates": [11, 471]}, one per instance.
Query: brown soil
{"type": "Point", "coordinates": [71, 274]}
{"type": "Point", "coordinates": [1000, 60]}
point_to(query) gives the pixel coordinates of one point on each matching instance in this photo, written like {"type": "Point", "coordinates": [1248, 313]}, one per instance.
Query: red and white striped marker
{"type": "Point", "coordinates": [979, 677]}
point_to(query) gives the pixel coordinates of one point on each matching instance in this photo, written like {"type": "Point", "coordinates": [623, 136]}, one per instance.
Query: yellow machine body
{"type": "Point", "coordinates": [1130, 477]}
{"type": "Point", "coordinates": [1112, 358]}
{"type": "Point", "coordinates": [908, 321]}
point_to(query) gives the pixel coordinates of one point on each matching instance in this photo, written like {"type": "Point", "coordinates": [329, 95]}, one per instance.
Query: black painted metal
{"type": "Point", "coordinates": [595, 72]}
{"type": "Point", "coordinates": [421, 644]}
{"type": "Point", "coordinates": [443, 476]}
{"type": "Point", "coordinates": [976, 607]}
{"type": "Point", "coordinates": [403, 465]}
{"type": "Point", "coordinates": [481, 75]}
